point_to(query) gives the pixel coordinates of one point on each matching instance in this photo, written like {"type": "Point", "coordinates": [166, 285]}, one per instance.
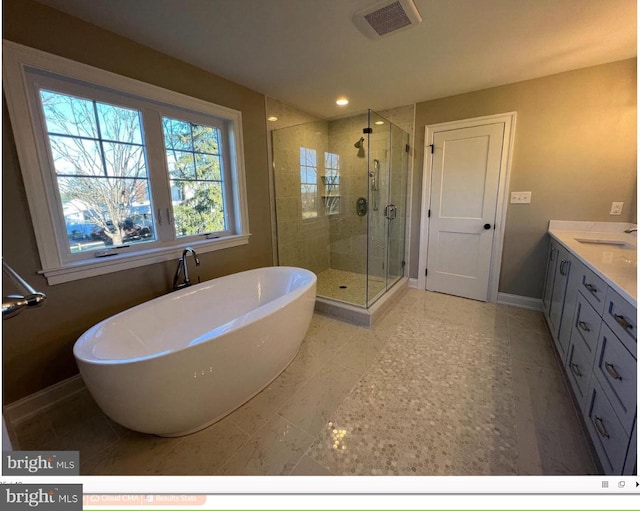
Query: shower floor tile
{"type": "Point", "coordinates": [439, 385]}
{"type": "Point", "coordinates": [348, 286]}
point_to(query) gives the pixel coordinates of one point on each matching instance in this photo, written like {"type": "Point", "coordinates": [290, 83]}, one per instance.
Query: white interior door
{"type": "Point", "coordinates": [465, 175]}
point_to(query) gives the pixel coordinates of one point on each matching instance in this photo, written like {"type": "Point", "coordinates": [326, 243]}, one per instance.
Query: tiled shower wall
{"type": "Point", "coordinates": [301, 241]}
{"type": "Point", "coordinates": [348, 231]}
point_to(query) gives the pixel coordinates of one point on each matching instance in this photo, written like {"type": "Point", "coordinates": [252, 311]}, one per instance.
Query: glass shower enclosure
{"type": "Point", "coordinates": [341, 204]}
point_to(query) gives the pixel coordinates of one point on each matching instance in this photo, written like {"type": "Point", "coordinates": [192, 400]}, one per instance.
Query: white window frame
{"type": "Point", "coordinates": [33, 155]}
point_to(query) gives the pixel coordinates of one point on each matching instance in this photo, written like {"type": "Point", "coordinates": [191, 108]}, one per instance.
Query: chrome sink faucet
{"type": "Point", "coordinates": [183, 269]}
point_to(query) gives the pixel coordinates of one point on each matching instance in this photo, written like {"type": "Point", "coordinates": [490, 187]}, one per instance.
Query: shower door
{"type": "Point", "coordinates": [398, 183]}
{"type": "Point", "coordinates": [387, 194]}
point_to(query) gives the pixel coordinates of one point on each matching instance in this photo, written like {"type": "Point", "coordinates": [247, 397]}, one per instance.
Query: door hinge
{"type": "Point", "coordinates": [403, 264]}
{"type": "Point", "coordinates": [428, 213]}
{"type": "Point", "coordinates": [407, 148]}
{"type": "Point", "coordinates": [367, 130]}
{"type": "Point", "coordinates": [432, 146]}
{"type": "Point", "coordinates": [425, 272]}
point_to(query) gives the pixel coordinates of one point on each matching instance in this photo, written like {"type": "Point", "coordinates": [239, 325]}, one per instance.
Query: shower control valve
{"type": "Point", "coordinates": [361, 206]}
{"type": "Point", "coordinates": [390, 211]}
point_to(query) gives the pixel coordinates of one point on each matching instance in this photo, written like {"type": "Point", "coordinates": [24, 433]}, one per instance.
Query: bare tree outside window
{"type": "Point", "coordinates": [101, 170]}
{"type": "Point", "coordinates": [309, 182]}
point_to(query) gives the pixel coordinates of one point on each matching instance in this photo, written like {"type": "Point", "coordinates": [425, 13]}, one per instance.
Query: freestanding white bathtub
{"type": "Point", "coordinates": [178, 363]}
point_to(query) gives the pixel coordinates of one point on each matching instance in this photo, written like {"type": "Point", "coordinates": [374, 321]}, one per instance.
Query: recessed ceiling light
{"type": "Point", "coordinates": [379, 122]}
{"type": "Point", "coordinates": [273, 118]}
{"type": "Point", "coordinates": [342, 101]}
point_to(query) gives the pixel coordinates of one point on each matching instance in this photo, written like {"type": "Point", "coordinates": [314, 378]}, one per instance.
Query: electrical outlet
{"type": "Point", "coordinates": [616, 208]}
{"type": "Point", "coordinates": [520, 197]}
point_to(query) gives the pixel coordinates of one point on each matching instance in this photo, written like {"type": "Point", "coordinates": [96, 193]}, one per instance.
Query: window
{"type": "Point", "coordinates": [101, 173]}
{"type": "Point", "coordinates": [309, 182]}
{"type": "Point", "coordinates": [195, 168]}
{"type": "Point", "coordinates": [119, 173]}
{"type": "Point", "coordinates": [331, 180]}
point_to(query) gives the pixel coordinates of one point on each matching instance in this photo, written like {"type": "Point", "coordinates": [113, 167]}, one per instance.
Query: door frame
{"type": "Point", "coordinates": [509, 120]}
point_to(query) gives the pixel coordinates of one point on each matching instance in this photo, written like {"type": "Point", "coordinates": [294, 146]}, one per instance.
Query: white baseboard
{"type": "Point", "coordinates": [524, 302]}
{"type": "Point", "coordinates": [25, 408]}
{"type": "Point", "coordinates": [413, 283]}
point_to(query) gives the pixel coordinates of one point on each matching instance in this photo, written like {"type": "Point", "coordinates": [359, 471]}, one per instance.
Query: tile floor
{"type": "Point", "coordinates": [350, 287]}
{"type": "Point", "coordinates": [438, 386]}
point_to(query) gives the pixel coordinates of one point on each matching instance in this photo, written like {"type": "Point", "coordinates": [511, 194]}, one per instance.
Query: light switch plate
{"type": "Point", "coordinates": [616, 208]}
{"type": "Point", "coordinates": [520, 197]}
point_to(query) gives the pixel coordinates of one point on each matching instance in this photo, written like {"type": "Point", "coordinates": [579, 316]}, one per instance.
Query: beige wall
{"type": "Point", "coordinates": [37, 345]}
{"type": "Point", "coordinates": [575, 150]}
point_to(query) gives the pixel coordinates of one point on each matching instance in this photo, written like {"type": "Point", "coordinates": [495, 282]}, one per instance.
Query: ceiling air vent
{"type": "Point", "coordinates": [385, 18]}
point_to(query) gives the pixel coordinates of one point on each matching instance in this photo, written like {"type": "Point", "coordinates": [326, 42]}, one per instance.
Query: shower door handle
{"type": "Point", "coordinates": [390, 211]}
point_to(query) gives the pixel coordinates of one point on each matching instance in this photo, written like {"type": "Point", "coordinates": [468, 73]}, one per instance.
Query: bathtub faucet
{"type": "Point", "coordinates": [183, 269]}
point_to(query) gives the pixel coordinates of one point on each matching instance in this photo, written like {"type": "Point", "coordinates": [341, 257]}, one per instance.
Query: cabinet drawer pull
{"type": "Point", "coordinates": [575, 369]}
{"type": "Point", "coordinates": [591, 288]}
{"type": "Point", "coordinates": [611, 369]}
{"type": "Point", "coordinates": [563, 270]}
{"type": "Point", "coordinates": [622, 322]}
{"type": "Point", "coordinates": [600, 427]}
{"type": "Point", "coordinates": [584, 326]}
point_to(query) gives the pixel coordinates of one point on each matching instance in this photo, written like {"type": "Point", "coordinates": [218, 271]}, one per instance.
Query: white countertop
{"type": "Point", "coordinates": [615, 264]}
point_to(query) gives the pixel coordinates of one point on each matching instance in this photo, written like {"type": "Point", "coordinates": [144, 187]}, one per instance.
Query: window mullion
{"type": "Point", "coordinates": [158, 175]}
{"type": "Point", "coordinates": [100, 142]}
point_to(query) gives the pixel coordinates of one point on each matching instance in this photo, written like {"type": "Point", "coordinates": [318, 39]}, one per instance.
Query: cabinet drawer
{"type": "Point", "coordinates": [615, 369]}
{"type": "Point", "coordinates": [593, 288]}
{"type": "Point", "coordinates": [609, 437]}
{"type": "Point", "coordinates": [586, 325]}
{"type": "Point", "coordinates": [621, 317]}
{"type": "Point", "coordinates": [579, 365]}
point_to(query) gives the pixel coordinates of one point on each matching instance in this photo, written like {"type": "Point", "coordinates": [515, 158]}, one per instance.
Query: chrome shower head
{"type": "Point", "coordinates": [358, 144]}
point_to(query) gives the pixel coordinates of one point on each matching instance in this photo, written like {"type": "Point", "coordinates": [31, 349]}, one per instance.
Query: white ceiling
{"type": "Point", "coordinates": [308, 52]}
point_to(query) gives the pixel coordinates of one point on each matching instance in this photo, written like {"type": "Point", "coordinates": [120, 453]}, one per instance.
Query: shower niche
{"type": "Point", "coordinates": [331, 194]}
{"type": "Point", "coordinates": [341, 201]}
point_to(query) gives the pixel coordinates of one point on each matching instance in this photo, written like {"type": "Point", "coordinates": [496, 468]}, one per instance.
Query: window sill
{"type": "Point", "coordinates": [91, 268]}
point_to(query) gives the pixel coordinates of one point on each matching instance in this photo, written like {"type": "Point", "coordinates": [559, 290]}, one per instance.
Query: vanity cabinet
{"type": "Point", "coordinates": [595, 333]}
{"type": "Point", "coordinates": [616, 373]}
{"type": "Point", "coordinates": [611, 406]}
{"type": "Point", "coordinates": [609, 438]}
{"type": "Point", "coordinates": [582, 348]}
{"type": "Point", "coordinates": [552, 263]}
{"type": "Point", "coordinates": [593, 288]}
{"type": "Point", "coordinates": [561, 287]}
